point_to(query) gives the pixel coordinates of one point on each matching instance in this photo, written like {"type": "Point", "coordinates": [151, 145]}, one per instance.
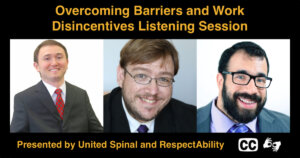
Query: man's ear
{"type": "Point", "coordinates": [36, 66]}
{"type": "Point", "coordinates": [220, 80]}
{"type": "Point", "coordinates": [120, 76]}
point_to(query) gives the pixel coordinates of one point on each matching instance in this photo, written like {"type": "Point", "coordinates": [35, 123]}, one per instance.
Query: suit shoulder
{"type": "Point", "coordinates": [203, 118]}
{"type": "Point", "coordinates": [204, 111]}
{"type": "Point", "coordinates": [280, 118]}
{"type": "Point", "coordinates": [184, 115]}
{"type": "Point", "coordinates": [106, 99]}
{"type": "Point", "coordinates": [182, 110]}
{"type": "Point", "coordinates": [75, 88]}
{"type": "Point", "coordinates": [181, 106]}
{"type": "Point", "coordinates": [276, 114]}
{"type": "Point", "coordinates": [114, 94]}
{"type": "Point", "coordinates": [27, 92]}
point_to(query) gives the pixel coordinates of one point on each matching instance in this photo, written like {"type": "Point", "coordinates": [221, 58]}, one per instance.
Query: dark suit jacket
{"type": "Point", "coordinates": [34, 111]}
{"type": "Point", "coordinates": [268, 121]}
{"type": "Point", "coordinates": [176, 117]}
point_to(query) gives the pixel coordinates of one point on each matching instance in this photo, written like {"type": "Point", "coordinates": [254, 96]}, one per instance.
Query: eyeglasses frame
{"type": "Point", "coordinates": [251, 77]}
{"type": "Point", "coordinates": [149, 80]}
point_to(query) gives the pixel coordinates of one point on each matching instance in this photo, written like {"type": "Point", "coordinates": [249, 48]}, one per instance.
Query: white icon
{"type": "Point", "coordinates": [248, 144]}
{"type": "Point", "coordinates": [274, 145]}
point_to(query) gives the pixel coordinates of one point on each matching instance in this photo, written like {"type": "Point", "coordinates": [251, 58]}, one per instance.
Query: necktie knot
{"type": "Point", "coordinates": [58, 91]}
{"type": "Point", "coordinates": [142, 129]}
{"type": "Point", "coordinates": [239, 128]}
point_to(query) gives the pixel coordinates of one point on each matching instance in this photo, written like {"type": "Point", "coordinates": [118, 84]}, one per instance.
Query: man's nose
{"type": "Point", "coordinates": [153, 87]}
{"type": "Point", "coordinates": [251, 87]}
{"type": "Point", "coordinates": [54, 61]}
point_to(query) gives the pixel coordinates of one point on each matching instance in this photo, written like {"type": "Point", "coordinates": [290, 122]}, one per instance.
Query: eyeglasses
{"type": "Point", "coordinates": [242, 78]}
{"type": "Point", "coordinates": [145, 79]}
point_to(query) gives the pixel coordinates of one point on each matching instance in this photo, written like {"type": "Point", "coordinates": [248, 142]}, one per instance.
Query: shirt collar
{"type": "Point", "coordinates": [134, 124]}
{"type": "Point", "coordinates": [221, 123]}
{"type": "Point", "coordinates": [51, 89]}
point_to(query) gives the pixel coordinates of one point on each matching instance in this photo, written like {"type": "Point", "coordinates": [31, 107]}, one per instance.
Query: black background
{"type": "Point", "coordinates": [266, 20]}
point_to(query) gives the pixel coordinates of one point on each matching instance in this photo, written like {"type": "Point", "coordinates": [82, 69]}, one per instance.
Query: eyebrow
{"type": "Point", "coordinates": [58, 53]}
{"type": "Point", "coordinates": [260, 74]}
{"type": "Point", "coordinates": [149, 71]}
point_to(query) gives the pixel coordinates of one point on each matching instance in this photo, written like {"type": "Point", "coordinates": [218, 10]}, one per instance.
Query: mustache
{"type": "Point", "coordinates": [253, 97]}
{"type": "Point", "coordinates": [149, 96]}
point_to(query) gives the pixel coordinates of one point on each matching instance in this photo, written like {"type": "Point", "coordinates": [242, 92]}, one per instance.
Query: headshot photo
{"type": "Point", "coordinates": [149, 86]}
{"type": "Point", "coordinates": [55, 86]}
{"type": "Point", "coordinates": [243, 86]}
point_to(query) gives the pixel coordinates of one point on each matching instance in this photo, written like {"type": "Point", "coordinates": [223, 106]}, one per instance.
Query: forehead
{"type": "Point", "coordinates": [158, 66]}
{"type": "Point", "coordinates": [51, 50]}
{"type": "Point", "coordinates": [241, 61]}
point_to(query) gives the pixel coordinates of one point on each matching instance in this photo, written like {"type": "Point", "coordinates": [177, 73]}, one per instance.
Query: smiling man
{"type": "Point", "coordinates": [239, 108]}
{"type": "Point", "coordinates": [53, 105]}
{"type": "Point", "coordinates": [143, 103]}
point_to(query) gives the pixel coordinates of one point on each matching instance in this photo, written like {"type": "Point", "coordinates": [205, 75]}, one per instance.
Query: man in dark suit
{"type": "Point", "coordinates": [143, 103]}
{"type": "Point", "coordinates": [53, 105]}
{"type": "Point", "coordinates": [239, 108]}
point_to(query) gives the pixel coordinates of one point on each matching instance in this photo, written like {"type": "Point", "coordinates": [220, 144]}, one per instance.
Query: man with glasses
{"type": "Point", "coordinates": [143, 103]}
{"type": "Point", "coordinates": [239, 108]}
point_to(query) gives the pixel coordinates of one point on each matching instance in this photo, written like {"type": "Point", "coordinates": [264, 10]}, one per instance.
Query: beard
{"type": "Point", "coordinates": [135, 110]}
{"type": "Point", "coordinates": [238, 114]}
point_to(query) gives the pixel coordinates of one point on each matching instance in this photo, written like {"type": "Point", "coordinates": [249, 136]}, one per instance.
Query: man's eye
{"type": "Point", "coordinates": [241, 77]}
{"type": "Point", "coordinates": [164, 79]}
{"type": "Point", "coordinates": [141, 76]}
{"type": "Point", "coordinates": [261, 80]}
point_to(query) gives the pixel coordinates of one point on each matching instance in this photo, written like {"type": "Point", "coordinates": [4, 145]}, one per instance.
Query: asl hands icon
{"type": "Point", "coordinates": [274, 145]}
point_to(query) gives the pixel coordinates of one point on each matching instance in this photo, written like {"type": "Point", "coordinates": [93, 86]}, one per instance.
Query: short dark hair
{"type": "Point", "coordinates": [250, 48]}
{"type": "Point", "coordinates": [47, 43]}
{"type": "Point", "coordinates": [141, 51]}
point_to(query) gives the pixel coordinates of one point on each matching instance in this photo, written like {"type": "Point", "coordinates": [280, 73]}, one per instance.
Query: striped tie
{"type": "Point", "coordinates": [239, 128]}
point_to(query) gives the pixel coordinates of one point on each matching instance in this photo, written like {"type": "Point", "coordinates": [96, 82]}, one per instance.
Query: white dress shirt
{"type": "Point", "coordinates": [51, 89]}
{"type": "Point", "coordinates": [134, 124]}
{"type": "Point", "coordinates": [220, 123]}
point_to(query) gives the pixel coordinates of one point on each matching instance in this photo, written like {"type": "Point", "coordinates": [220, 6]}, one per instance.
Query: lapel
{"type": "Point", "coordinates": [118, 119]}
{"type": "Point", "coordinates": [266, 122]}
{"type": "Point", "coordinates": [119, 122]}
{"type": "Point", "coordinates": [70, 97]}
{"type": "Point", "coordinates": [45, 98]}
{"type": "Point", "coordinates": [204, 119]}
